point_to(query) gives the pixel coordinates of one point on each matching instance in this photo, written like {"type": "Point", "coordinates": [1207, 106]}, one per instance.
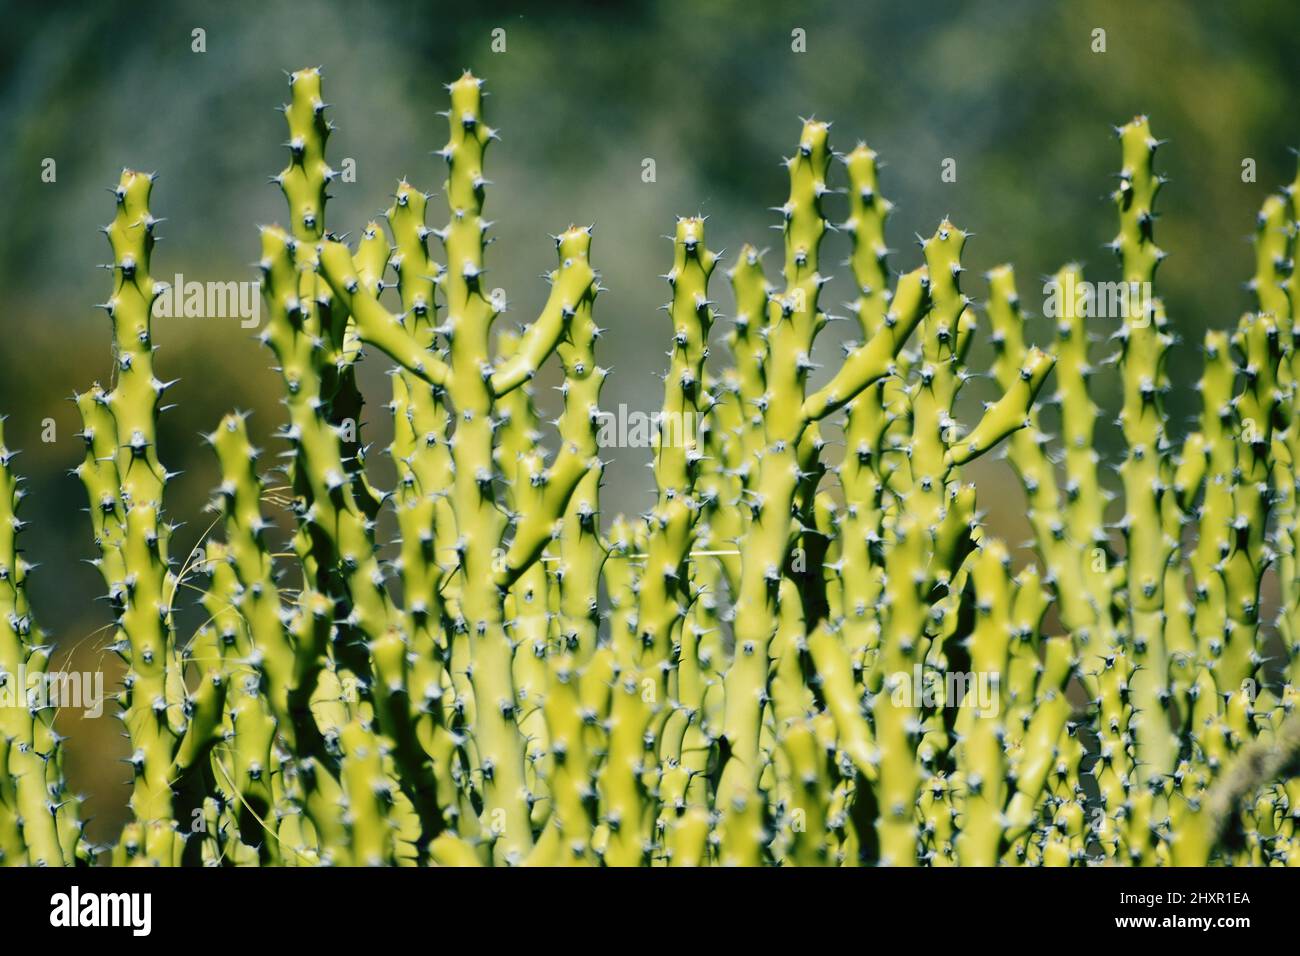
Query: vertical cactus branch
{"type": "Point", "coordinates": [171, 732]}
{"type": "Point", "coordinates": [36, 814]}
{"type": "Point", "coordinates": [1146, 473]}
{"type": "Point", "coordinates": [641, 695]}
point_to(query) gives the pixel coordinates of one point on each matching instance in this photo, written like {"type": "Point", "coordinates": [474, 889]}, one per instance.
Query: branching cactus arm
{"type": "Point", "coordinates": [873, 361]}
{"type": "Point", "coordinates": [1008, 414]}
{"type": "Point", "coordinates": [537, 524]}
{"type": "Point", "coordinates": [375, 324]}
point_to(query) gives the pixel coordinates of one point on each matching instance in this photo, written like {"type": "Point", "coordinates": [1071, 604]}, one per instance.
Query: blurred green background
{"type": "Point", "coordinates": [712, 91]}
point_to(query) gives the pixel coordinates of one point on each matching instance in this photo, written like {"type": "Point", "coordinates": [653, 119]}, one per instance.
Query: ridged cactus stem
{"type": "Point", "coordinates": [1085, 499]}
{"type": "Point", "coordinates": [336, 537]}
{"type": "Point", "coordinates": [32, 800]}
{"type": "Point", "coordinates": [1028, 456]}
{"type": "Point", "coordinates": [1258, 342]}
{"type": "Point", "coordinates": [577, 680]}
{"type": "Point", "coordinates": [287, 649]}
{"type": "Point", "coordinates": [1213, 540]}
{"type": "Point", "coordinates": [336, 541]}
{"type": "Point", "coordinates": [1278, 292]}
{"type": "Point", "coordinates": [305, 182]}
{"type": "Point", "coordinates": [806, 790]}
{"type": "Point", "coordinates": [864, 472]}
{"type": "Point", "coordinates": [528, 603]}
{"type": "Point", "coordinates": [171, 732]}
{"type": "Point", "coordinates": [945, 335]}
{"type": "Point", "coordinates": [895, 709]}
{"type": "Point", "coordinates": [308, 334]}
{"type": "Point", "coordinates": [480, 523]}
{"type": "Point", "coordinates": [1066, 539]}
{"type": "Point", "coordinates": [580, 551]}
{"type": "Point", "coordinates": [440, 693]}
{"type": "Point", "coordinates": [1146, 471]}
{"type": "Point", "coordinates": [793, 322]}
{"type": "Point", "coordinates": [242, 762]}
{"type": "Point", "coordinates": [1090, 616]}
{"type": "Point", "coordinates": [420, 453]}
{"type": "Point", "coordinates": [239, 500]}
{"type": "Point", "coordinates": [641, 694]}
{"type": "Point", "coordinates": [132, 403]}
{"type": "Point", "coordinates": [984, 766]}
{"type": "Point", "coordinates": [749, 349]}
{"type": "Point", "coordinates": [1047, 724]}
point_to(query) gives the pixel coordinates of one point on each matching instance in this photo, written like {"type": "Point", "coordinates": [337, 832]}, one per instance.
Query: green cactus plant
{"type": "Point", "coordinates": [792, 658]}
